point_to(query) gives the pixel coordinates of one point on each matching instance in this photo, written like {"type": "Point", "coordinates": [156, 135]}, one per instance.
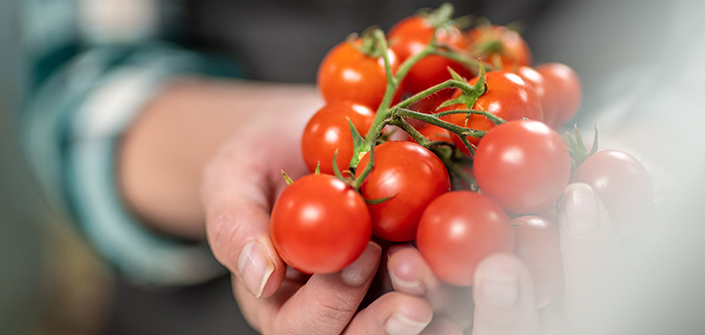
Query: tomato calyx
{"type": "Point", "coordinates": [576, 147]}
{"type": "Point", "coordinates": [441, 17]}
{"type": "Point", "coordinates": [367, 43]}
{"type": "Point", "coordinates": [470, 94]}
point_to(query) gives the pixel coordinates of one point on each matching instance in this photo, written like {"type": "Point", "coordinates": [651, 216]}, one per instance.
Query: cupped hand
{"type": "Point", "coordinates": [240, 185]}
{"type": "Point", "coordinates": [502, 300]}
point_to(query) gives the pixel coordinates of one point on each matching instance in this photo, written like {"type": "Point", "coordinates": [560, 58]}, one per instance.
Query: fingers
{"type": "Point", "coordinates": [239, 185]}
{"type": "Point", "coordinates": [504, 297]}
{"type": "Point", "coordinates": [392, 314]}
{"type": "Point", "coordinates": [410, 274]}
{"type": "Point", "coordinates": [590, 248]}
{"type": "Point", "coordinates": [324, 305]}
{"type": "Point", "coordinates": [237, 220]}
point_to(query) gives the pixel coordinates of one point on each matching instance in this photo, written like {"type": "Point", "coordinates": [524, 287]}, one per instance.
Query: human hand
{"type": "Point", "coordinates": [240, 185]}
{"type": "Point", "coordinates": [502, 300]}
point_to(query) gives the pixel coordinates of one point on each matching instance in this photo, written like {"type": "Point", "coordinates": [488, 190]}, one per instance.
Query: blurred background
{"type": "Point", "coordinates": [641, 63]}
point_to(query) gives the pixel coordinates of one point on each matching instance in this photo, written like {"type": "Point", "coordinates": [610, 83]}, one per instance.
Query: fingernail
{"type": "Point", "coordinates": [580, 210]}
{"type": "Point", "coordinates": [499, 289]}
{"type": "Point", "coordinates": [254, 267]}
{"type": "Point", "coordinates": [361, 269]}
{"type": "Point", "coordinates": [399, 324]}
{"type": "Point", "coordinates": [416, 284]}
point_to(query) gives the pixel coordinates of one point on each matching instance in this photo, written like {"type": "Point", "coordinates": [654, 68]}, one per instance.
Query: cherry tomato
{"type": "Point", "coordinates": [410, 36]}
{"type": "Point", "coordinates": [563, 85]}
{"type": "Point", "coordinates": [348, 74]}
{"type": "Point", "coordinates": [622, 183]}
{"type": "Point", "coordinates": [524, 165]}
{"type": "Point", "coordinates": [409, 173]}
{"type": "Point", "coordinates": [538, 245]}
{"type": "Point", "coordinates": [320, 224]}
{"type": "Point", "coordinates": [492, 41]}
{"type": "Point", "coordinates": [535, 79]}
{"type": "Point", "coordinates": [508, 96]}
{"type": "Point", "coordinates": [435, 133]}
{"type": "Point", "coordinates": [458, 230]}
{"type": "Point", "coordinates": [328, 130]}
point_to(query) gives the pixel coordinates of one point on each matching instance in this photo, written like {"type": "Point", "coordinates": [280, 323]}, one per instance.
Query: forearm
{"type": "Point", "coordinates": [162, 155]}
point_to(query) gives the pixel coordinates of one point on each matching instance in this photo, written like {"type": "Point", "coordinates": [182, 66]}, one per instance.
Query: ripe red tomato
{"type": "Point", "coordinates": [535, 79]}
{"type": "Point", "coordinates": [524, 165]}
{"type": "Point", "coordinates": [328, 130]}
{"type": "Point", "coordinates": [458, 230]}
{"type": "Point", "coordinates": [435, 133]}
{"type": "Point", "coordinates": [409, 37]}
{"type": "Point", "coordinates": [563, 86]}
{"type": "Point", "coordinates": [348, 74]}
{"type": "Point", "coordinates": [409, 173]}
{"type": "Point", "coordinates": [320, 224]}
{"type": "Point", "coordinates": [538, 245]}
{"type": "Point", "coordinates": [508, 96]}
{"type": "Point", "coordinates": [622, 183]}
{"type": "Point", "coordinates": [498, 40]}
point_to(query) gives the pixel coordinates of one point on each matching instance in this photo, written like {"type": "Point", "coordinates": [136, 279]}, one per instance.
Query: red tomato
{"type": "Point", "coordinates": [508, 96]}
{"type": "Point", "coordinates": [328, 130]}
{"type": "Point", "coordinates": [535, 79]}
{"type": "Point", "coordinates": [409, 173]}
{"type": "Point", "coordinates": [435, 133]}
{"type": "Point", "coordinates": [348, 74]}
{"type": "Point", "coordinates": [563, 85]}
{"type": "Point", "coordinates": [622, 183]}
{"type": "Point", "coordinates": [458, 230]}
{"type": "Point", "coordinates": [538, 245]}
{"type": "Point", "coordinates": [524, 165]}
{"type": "Point", "coordinates": [410, 36]}
{"type": "Point", "coordinates": [500, 41]}
{"type": "Point", "coordinates": [320, 224]}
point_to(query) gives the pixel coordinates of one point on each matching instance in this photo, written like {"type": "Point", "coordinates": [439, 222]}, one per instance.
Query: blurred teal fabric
{"type": "Point", "coordinates": [20, 229]}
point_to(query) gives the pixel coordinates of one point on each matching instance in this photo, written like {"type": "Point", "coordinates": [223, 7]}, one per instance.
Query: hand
{"type": "Point", "coordinates": [239, 187]}
{"type": "Point", "coordinates": [502, 299]}
{"type": "Point", "coordinates": [231, 140]}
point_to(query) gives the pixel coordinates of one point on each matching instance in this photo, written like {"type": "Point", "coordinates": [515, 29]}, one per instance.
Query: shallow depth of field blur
{"type": "Point", "coordinates": [643, 72]}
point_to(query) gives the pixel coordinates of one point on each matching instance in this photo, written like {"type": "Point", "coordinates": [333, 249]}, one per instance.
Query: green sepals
{"type": "Point", "coordinates": [441, 17]}
{"type": "Point", "coordinates": [370, 165]}
{"type": "Point", "coordinates": [378, 201]}
{"type": "Point", "coordinates": [360, 146]}
{"type": "Point", "coordinates": [287, 178]}
{"type": "Point", "coordinates": [470, 93]}
{"type": "Point", "coordinates": [367, 43]}
{"type": "Point", "coordinates": [464, 22]}
{"type": "Point", "coordinates": [336, 170]}
{"type": "Point", "coordinates": [318, 168]}
{"type": "Point", "coordinates": [576, 147]}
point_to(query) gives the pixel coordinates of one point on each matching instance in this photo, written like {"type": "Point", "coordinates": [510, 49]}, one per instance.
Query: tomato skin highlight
{"type": "Point", "coordinates": [328, 131]}
{"type": "Point", "coordinates": [458, 230]}
{"type": "Point", "coordinates": [413, 175]}
{"type": "Point", "coordinates": [347, 74]}
{"type": "Point", "coordinates": [563, 86]}
{"type": "Point", "coordinates": [524, 165]}
{"type": "Point", "coordinates": [319, 224]}
{"type": "Point", "coordinates": [536, 81]}
{"type": "Point", "coordinates": [409, 37]}
{"type": "Point", "coordinates": [622, 183]}
{"type": "Point", "coordinates": [538, 245]}
{"type": "Point", "coordinates": [508, 97]}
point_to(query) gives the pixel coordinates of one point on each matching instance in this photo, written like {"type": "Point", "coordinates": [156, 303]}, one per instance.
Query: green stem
{"type": "Point", "coordinates": [382, 40]}
{"type": "Point", "coordinates": [434, 120]}
{"type": "Point", "coordinates": [469, 62]}
{"type": "Point", "coordinates": [494, 118]}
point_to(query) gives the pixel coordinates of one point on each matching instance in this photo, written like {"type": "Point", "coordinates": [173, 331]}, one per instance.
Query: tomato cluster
{"type": "Point", "coordinates": [481, 149]}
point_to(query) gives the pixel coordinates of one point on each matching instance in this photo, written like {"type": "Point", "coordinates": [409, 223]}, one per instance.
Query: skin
{"type": "Point", "coordinates": [203, 162]}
